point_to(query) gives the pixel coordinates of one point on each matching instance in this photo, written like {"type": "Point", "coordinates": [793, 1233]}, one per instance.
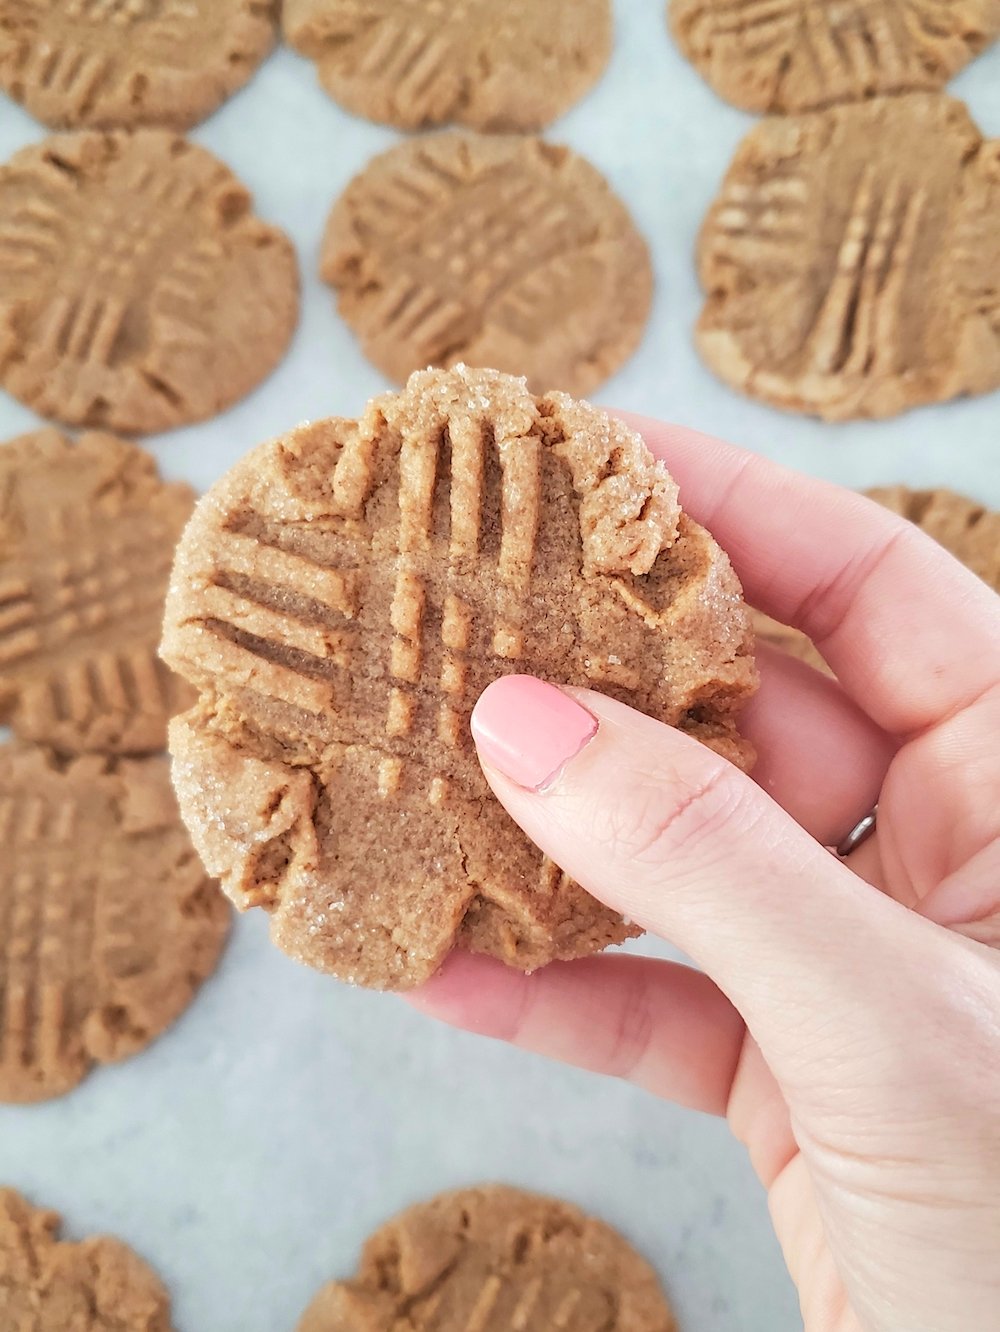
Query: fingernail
{"type": "Point", "coordinates": [529, 730]}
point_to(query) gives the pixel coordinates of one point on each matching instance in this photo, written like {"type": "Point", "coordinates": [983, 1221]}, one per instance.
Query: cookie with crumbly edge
{"type": "Point", "coordinates": [342, 597]}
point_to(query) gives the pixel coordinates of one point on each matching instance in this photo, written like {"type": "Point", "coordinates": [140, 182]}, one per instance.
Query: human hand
{"type": "Point", "coordinates": [848, 1017]}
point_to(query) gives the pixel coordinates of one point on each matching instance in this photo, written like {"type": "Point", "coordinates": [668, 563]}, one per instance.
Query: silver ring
{"type": "Point", "coordinates": [859, 834]}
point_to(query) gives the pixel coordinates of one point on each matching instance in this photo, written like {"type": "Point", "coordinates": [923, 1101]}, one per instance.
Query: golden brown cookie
{"type": "Point", "coordinates": [968, 530]}
{"type": "Point", "coordinates": [341, 599]}
{"type": "Point", "coordinates": [416, 63]}
{"type": "Point", "coordinates": [850, 261]}
{"type": "Point", "coordinates": [110, 63]}
{"type": "Point", "coordinates": [494, 1259]}
{"type": "Point", "coordinates": [139, 290]}
{"type": "Point", "coordinates": [52, 1285]}
{"type": "Point", "coordinates": [504, 252]}
{"type": "Point", "coordinates": [800, 55]}
{"type": "Point", "coordinates": [110, 923]}
{"type": "Point", "coordinates": [87, 537]}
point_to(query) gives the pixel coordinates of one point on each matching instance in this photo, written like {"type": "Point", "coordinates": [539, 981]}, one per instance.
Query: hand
{"type": "Point", "coordinates": [847, 1019]}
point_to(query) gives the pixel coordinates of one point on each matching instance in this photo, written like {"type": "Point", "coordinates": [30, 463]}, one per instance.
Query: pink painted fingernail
{"type": "Point", "coordinates": [528, 729]}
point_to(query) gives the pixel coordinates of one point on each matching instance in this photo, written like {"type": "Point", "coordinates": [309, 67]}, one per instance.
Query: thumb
{"type": "Point", "coordinates": [667, 832]}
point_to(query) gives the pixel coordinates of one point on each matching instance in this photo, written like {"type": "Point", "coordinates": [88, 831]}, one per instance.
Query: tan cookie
{"type": "Point", "coordinates": [87, 537]}
{"type": "Point", "coordinates": [342, 598]}
{"type": "Point", "coordinates": [799, 55]}
{"type": "Point", "coordinates": [139, 290]}
{"type": "Point", "coordinates": [52, 1285]}
{"type": "Point", "coordinates": [966, 529]}
{"type": "Point", "coordinates": [504, 252]}
{"type": "Point", "coordinates": [416, 63]}
{"type": "Point", "coordinates": [850, 261]}
{"type": "Point", "coordinates": [110, 924]}
{"type": "Point", "coordinates": [113, 63]}
{"type": "Point", "coordinates": [494, 1259]}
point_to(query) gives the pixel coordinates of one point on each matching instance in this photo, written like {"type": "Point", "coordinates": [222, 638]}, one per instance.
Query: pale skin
{"type": "Point", "coordinates": [846, 1019]}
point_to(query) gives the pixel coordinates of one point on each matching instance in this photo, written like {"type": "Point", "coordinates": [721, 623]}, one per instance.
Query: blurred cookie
{"type": "Point", "coordinates": [492, 1258]}
{"type": "Point", "coordinates": [503, 252]}
{"type": "Point", "coordinates": [798, 55]}
{"type": "Point", "coordinates": [139, 290]}
{"type": "Point", "coordinates": [416, 63]}
{"type": "Point", "coordinates": [343, 596]}
{"type": "Point", "coordinates": [52, 1285]}
{"type": "Point", "coordinates": [110, 922]}
{"type": "Point", "coordinates": [966, 529]}
{"type": "Point", "coordinates": [87, 536]}
{"type": "Point", "coordinates": [849, 261]}
{"type": "Point", "coordinates": [114, 63]}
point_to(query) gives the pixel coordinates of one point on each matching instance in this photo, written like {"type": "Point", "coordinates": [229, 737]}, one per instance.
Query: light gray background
{"type": "Point", "coordinates": [251, 1150]}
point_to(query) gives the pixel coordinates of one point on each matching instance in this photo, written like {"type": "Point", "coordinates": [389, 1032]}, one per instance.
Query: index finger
{"type": "Point", "coordinates": [912, 635]}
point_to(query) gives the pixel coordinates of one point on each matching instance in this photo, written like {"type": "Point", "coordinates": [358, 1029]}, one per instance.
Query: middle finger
{"type": "Point", "coordinates": [819, 756]}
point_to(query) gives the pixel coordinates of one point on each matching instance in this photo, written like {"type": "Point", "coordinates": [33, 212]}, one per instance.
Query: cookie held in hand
{"type": "Point", "coordinates": [340, 600]}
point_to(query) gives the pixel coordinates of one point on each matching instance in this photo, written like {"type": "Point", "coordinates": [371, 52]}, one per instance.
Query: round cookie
{"type": "Point", "coordinates": [52, 1285]}
{"type": "Point", "coordinates": [87, 537]}
{"type": "Point", "coordinates": [503, 252]}
{"type": "Point", "coordinates": [494, 1257]}
{"type": "Point", "coordinates": [111, 63]}
{"type": "Point", "coordinates": [416, 63]}
{"type": "Point", "coordinates": [849, 261]}
{"type": "Point", "coordinates": [342, 597]}
{"type": "Point", "coordinates": [799, 55]}
{"type": "Point", "coordinates": [139, 291]}
{"type": "Point", "coordinates": [110, 924]}
{"type": "Point", "coordinates": [966, 529]}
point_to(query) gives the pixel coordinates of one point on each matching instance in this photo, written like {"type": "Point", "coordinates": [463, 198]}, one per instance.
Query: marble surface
{"type": "Point", "coordinates": [251, 1149]}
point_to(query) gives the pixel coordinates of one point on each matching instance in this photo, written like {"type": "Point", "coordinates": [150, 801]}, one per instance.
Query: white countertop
{"type": "Point", "coordinates": [251, 1150]}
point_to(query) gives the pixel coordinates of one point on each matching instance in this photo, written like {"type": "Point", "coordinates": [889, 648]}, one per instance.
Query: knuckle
{"type": "Point", "coordinates": [631, 1034]}
{"type": "Point", "coordinates": [669, 820]}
